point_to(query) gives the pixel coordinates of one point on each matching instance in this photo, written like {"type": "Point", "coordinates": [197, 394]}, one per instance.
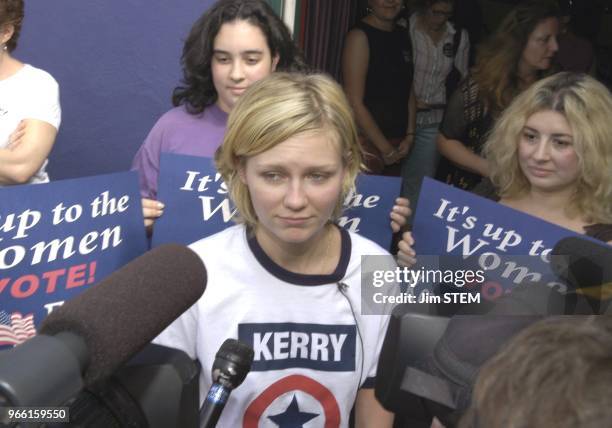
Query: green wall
{"type": "Point", "coordinates": [277, 5]}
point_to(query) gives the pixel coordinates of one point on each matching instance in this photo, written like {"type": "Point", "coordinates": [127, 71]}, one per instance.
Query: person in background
{"type": "Point", "coordinates": [292, 286]}
{"type": "Point", "coordinates": [556, 372]}
{"type": "Point", "coordinates": [377, 73]}
{"type": "Point", "coordinates": [438, 51]}
{"type": "Point", "coordinates": [231, 46]}
{"type": "Point", "coordinates": [30, 112]}
{"type": "Point", "coordinates": [576, 53]}
{"type": "Point", "coordinates": [467, 15]}
{"type": "Point", "coordinates": [519, 53]}
{"type": "Point", "coordinates": [550, 156]}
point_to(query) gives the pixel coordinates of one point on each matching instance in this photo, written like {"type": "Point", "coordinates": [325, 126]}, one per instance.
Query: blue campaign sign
{"type": "Point", "coordinates": [511, 247]}
{"type": "Point", "coordinates": [367, 210]}
{"type": "Point", "coordinates": [197, 204]}
{"type": "Point", "coordinates": [59, 238]}
{"type": "Point", "coordinates": [195, 199]}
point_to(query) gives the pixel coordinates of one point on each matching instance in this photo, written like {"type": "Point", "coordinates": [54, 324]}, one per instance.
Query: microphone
{"type": "Point", "coordinates": [232, 363]}
{"type": "Point", "coordinates": [90, 336]}
{"type": "Point", "coordinates": [584, 264]}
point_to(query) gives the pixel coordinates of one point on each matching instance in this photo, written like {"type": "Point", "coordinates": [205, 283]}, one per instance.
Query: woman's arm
{"type": "Point", "coordinates": [369, 413]}
{"type": "Point", "coordinates": [459, 154]}
{"type": "Point", "coordinates": [406, 143]}
{"type": "Point", "coordinates": [463, 54]}
{"type": "Point", "coordinates": [453, 128]}
{"type": "Point", "coordinates": [355, 59]}
{"type": "Point", "coordinates": [24, 157]}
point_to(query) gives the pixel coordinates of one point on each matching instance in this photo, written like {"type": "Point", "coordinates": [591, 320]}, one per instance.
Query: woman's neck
{"type": "Point", "coordinates": [549, 206]}
{"type": "Point", "coordinates": [318, 256]}
{"type": "Point", "coordinates": [8, 65]}
{"type": "Point", "coordinates": [526, 74]}
{"type": "Point", "coordinates": [378, 23]}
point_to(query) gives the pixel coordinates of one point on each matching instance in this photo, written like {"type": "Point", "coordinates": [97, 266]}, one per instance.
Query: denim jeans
{"type": "Point", "coordinates": [422, 161]}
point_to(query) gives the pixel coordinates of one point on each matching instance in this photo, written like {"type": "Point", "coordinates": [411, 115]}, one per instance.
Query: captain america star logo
{"type": "Point", "coordinates": [293, 402]}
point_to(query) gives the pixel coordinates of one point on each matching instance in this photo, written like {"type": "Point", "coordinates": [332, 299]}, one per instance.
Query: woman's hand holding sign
{"type": "Point", "coordinates": [151, 211]}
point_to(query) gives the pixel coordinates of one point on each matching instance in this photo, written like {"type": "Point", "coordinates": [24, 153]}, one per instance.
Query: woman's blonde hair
{"type": "Point", "coordinates": [586, 104]}
{"type": "Point", "coordinates": [497, 60]}
{"type": "Point", "coordinates": [272, 111]}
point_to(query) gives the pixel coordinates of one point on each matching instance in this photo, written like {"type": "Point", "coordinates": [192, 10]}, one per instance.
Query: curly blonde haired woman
{"type": "Point", "coordinates": [550, 154]}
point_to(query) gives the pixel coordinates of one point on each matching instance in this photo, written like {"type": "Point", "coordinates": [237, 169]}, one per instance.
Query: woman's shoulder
{"type": "Point", "coordinates": [357, 34]}
{"type": "Point", "coordinates": [233, 232]}
{"type": "Point", "coordinates": [177, 118]}
{"type": "Point", "coordinates": [176, 114]}
{"type": "Point", "coordinates": [174, 119]}
{"type": "Point", "coordinates": [364, 31]}
{"type": "Point", "coordinates": [601, 231]}
{"type": "Point", "coordinates": [233, 237]}
{"type": "Point", "coordinates": [178, 131]}
{"type": "Point", "coordinates": [360, 245]}
{"type": "Point", "coordinates": [356, 45]}
{"type": "Point", "coordinates": [359, 27]}
{"type": "Point", "coordinates": [37, 76]}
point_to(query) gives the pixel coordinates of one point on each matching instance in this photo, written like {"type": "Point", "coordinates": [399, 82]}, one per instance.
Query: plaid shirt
{"type": "Point", "coordinates": [432, 63]}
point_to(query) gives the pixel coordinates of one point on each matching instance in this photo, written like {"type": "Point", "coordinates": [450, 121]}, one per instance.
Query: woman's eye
{"type": "Point", "coordinates": [529, 136]}
{"type": "Point", "coordinates": [561, 143]}
{"type": "Point", "coordinates": [222, 59]}
{"type": "Point", "coordinates": [316, 176]}
{"type": "Point", "coordinates": [272, 176]}
{"type": "Point", "coordinates": [252, 61]}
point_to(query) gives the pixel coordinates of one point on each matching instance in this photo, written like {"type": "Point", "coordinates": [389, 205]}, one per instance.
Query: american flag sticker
{"type": "Point", "coordinates": [16, 328]}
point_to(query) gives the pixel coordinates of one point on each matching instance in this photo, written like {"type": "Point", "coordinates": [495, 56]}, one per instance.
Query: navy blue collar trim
{"type": "Point", "coordinates": [298, 278]}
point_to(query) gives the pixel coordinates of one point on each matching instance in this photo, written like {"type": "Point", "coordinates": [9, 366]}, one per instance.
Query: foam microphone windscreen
{"type": "Point", "coordinates": [126, 310]}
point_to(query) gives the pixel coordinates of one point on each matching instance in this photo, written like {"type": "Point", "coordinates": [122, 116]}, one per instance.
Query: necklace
{"type": "Point", "coordinates": [328, 257]}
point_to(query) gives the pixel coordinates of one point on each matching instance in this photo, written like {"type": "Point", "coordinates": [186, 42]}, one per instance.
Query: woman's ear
{"type": "Point", "coordinates": [6, 32]}
{"type": "Point", "coordinates": [241, 169]}
{"type": "Point", "coordinates": [275, 61]}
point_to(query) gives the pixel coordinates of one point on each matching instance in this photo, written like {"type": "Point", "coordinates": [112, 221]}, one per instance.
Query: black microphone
{"type": "Point", "coordinates": [232, 364]}
{"type": "Point", "coordinates": [584, 264]}
{"type": "Point", "coordinates": [93, 334]}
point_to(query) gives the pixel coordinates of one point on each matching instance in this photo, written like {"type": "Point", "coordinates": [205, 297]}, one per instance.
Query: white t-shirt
{"type": "Point", "coordinates": [313, 347]}
{"type": "Point", "coordinates": [31, 93]}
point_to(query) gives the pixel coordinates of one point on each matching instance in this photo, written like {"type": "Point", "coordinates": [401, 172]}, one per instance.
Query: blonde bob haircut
{"type": "Point", "coordinates": [275, 109]}
{"type": "Point", "coordinates": [586, 104]}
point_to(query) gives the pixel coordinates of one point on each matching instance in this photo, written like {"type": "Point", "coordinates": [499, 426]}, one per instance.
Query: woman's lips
{"type": "Point", "coordinates": [294, 221]}
{"type": "Point", "coordinates": [540, 172]}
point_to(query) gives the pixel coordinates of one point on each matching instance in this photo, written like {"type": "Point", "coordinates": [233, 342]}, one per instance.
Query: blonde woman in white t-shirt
{"type": "Point", "coordinates": [30, 112]}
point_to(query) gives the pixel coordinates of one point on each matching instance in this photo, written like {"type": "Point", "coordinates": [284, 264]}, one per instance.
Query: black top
{"type": "Point", "coordinates": [466, 120]}
{"type": "Point", "coordinates": [389, 78]}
